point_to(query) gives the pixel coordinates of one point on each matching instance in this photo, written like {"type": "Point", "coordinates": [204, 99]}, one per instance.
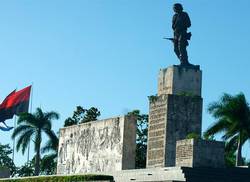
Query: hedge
{"type": "Point", "coordinates": [73, 178]}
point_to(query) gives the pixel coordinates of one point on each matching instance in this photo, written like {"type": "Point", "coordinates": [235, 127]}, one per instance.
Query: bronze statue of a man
{"type": "Point", "coordinates": [181, 22]}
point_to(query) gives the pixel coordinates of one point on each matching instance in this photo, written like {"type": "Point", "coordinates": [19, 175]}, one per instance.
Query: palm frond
{"type": "Point", "coordinates": [232, 130]}
{"type": "Point", "coordinates": [220, 126]}
{"type": "Point", "coordinates": [47, 118]}
{"type": "Point", "coordinates": [23, 140]}
{"type": "Point", "coordinates": [39, 114]}
{"type": "Point", "coordinates": [19, 130]}
{"type": "Point", "coordinates": [231, 145]}
{"type": "Point", "coordinates": [53, 140]}
{"type": "Point", "coordinates": [27, 118]}
{"type": "Point", "coordinates": [51, 115]}
{"type": "Point", "coordinates": [47, 147]}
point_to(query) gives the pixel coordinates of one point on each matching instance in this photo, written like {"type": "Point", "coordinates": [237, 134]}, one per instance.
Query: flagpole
{"type": "Point", "coordinates": [31, 102]}
{"type": "Point", "coordinates": [14, 139]}
{"type": "Point", "coordinates": [14, 143]}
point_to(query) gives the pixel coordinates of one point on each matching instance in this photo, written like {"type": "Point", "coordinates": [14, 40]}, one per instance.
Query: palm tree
{"type": "Point", "coordinates": [30, 128]}
{"type": "Point", "coordinates": [232, 114]}
{"type": "Point", "coordinates": [49, 161]}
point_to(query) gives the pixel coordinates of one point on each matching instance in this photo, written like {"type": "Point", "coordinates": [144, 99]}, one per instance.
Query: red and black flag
{"type": "Point", "coordinates": [6, 113]}
{"type": "Point", "coordinates": [15, 103]}
{"type": "Point", "coordinates": [20, 101]}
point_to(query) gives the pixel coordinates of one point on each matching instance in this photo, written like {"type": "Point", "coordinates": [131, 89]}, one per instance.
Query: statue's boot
{"type": "Point", "coordinates": [184, 62]}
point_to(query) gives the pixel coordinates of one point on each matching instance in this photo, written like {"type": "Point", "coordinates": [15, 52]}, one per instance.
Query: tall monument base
{"type": "Point", "coordinates": [174, 113]}
{"type": "Point", "coordinates": [171, 118]}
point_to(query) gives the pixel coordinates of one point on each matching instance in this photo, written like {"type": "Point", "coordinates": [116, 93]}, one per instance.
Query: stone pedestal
{"type": "Point", "coordinates": [200, 153]}
{"type": "Point", "coordinates": [171, 118]}
{"type": "Point", "coordinates": [173, 114]}
{"type": "Point", "coordinates": [179, 80]}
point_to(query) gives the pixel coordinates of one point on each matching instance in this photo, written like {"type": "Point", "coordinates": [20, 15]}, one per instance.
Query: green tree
{"type": "Point", "coordinates": [48, 164]}
{"type": "Point", "coordinates": [141, 138]}
{"type": "Point", "coordinates": [27, 169]}
{"type": "Point", "coordinates": [232, 114]}
{"type": "Point", "coordinates": [230, 158]}
{"type": "Point", "coordinates": [30, 128]}
{"type": "Point", "coordinates": [69, 122]}
{"type": "Point", "coordinates": [5, 160]}
{"type": "Point", "coordinates": [90, 115]}
{"type": "Point", "coordinates": [82, 115]}
{"type": "Point", "coordinates": [49, 161]}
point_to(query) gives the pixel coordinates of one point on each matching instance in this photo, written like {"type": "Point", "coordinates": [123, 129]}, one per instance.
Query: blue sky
{"type": "Point", "coordinates": [107, 53]}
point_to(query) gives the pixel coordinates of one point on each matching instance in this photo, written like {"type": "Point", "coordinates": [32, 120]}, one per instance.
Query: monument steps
{"type": "Point", "coordinates": [183, 174]}
{"type": "Point", "coordinates": [216, 174]}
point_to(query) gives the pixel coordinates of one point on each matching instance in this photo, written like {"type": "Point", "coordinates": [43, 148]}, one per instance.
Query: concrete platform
{"type": "Point", "coordinates": [173, 174]}
{"type": "Point", "coordinates": [183, 174]}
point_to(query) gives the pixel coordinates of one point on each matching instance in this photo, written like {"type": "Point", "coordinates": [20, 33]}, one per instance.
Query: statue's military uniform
{"type": "Point", "coordinates": [181, 22]}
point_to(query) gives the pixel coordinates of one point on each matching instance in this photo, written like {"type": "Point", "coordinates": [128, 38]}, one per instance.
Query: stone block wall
{"type": "Point", "coordinates": [200, 153]}
{"type": "Point", "coordinates": [98, 146]}
{"type": "Point", "coordinates": [184, 117]}
{"type": "Point", "coordinates": [157, 132]}
{"type": "Point", "coordinates": [171, 118]}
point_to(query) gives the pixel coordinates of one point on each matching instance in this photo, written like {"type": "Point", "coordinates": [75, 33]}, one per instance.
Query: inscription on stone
{"type": "Point", "coordinates": [184, 153]}
{"type": "Point", "coordinates": [200, 153]}
{"type": "Point", "coordinates": [156, 135]}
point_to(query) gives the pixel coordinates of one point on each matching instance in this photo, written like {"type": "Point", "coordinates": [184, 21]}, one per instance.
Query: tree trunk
{"type": "Point", "coordinates": [239, 161]}
{"type": "Point", "coordinates": [38, 158]}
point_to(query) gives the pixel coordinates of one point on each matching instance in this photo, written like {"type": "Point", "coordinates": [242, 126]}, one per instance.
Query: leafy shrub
{"type": "Point", "coordinates": [73, 178]}
{"type": "Point", "coordinates": [193, 136]}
